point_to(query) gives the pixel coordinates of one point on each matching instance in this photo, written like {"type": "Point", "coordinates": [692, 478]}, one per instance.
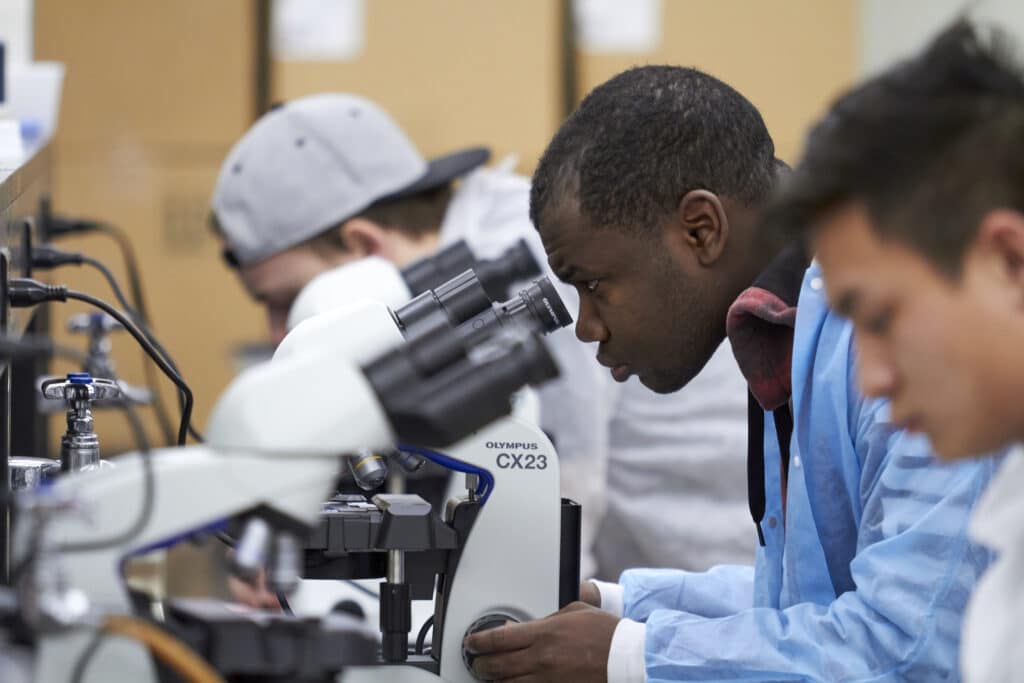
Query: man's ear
{"type": "Point", "coordinates": [700, 225]}
{"type": "Point", "coordinates": [363, 237]}
{"type": "Point", "coordinates": [1000, 240]}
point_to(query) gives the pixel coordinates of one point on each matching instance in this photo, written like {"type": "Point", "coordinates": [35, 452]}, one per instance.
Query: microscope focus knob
{"type": "Point", "coordinates": [484, 623]}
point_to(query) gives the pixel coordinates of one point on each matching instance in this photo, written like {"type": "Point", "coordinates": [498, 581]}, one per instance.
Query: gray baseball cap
{"type": "Point", "coordinates": [311, 164]}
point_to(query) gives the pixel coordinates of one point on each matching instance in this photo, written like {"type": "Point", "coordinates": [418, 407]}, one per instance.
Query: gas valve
{"type": "Point", "coordinates": [80, 447]}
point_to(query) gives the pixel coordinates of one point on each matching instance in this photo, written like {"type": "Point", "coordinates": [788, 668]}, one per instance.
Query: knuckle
{"type": "Point", "coordinates": [546, 658]}
{"type": "Point", "coordinates": [482, 667]}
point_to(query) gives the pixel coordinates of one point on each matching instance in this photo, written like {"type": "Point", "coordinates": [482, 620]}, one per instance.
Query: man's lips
{"type": "Point", "coordinates": [620, 371]}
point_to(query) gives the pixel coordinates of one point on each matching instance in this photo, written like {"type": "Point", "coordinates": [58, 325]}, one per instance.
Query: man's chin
{"type": "Point", "coordinates": [662, 383]}
{"type": "Point", "coordinates": [950, 447]}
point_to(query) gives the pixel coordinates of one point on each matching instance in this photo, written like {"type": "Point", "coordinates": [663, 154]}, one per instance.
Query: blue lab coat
{"type": "Point", "coordinates": [866, 576]}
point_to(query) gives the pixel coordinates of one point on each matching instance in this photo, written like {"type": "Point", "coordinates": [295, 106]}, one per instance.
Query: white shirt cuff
{"type": "Point", "coordinates": [612, 596]}
{"type": "Point", "coordinates": [626, 656]}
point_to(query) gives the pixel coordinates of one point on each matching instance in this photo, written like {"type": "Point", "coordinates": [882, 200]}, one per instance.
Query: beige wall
{"type": "Point", "coordinates": [156, 93]}
{"type": "Point", "coordinates": [789, 57]}
{"type": "Point", "coordinates": [891, 30]}
{"type": "Point", "coordinates": [452, 72]}
{"type": "Point", "coordinates": [457, 72]}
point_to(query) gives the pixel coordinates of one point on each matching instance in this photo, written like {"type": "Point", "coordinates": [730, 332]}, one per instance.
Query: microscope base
{"type": "Point", "coordinates": [393, 674]}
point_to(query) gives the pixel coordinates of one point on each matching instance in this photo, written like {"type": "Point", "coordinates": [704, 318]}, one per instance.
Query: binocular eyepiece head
{"type": "Point", "coordinates": [438, 405]}
{"type": "Point", "coordinates": [496, 275]}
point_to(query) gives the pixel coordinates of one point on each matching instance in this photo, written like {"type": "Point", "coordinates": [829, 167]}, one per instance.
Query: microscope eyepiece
{"type": "Point", "coordinates": [459, 299]}
{"type": "Point", "coordinates": [431, 271]}
{"type": "Point", "coordinates": [497, 275]}
{"type": "Point", "coordinates": [540, 304]}
{"type": "Point", "coordinates": [516, 264]}
{"type": "Point", "coordinates": [537, 308]}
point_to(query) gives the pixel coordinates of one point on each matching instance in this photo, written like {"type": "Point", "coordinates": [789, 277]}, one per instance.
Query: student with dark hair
{"type": "Point", "coordinates": [648, 201]}
{"type": "Point", "coordinates": [327, 180]}
{"type": "Point", "coordinates": [911, 192]}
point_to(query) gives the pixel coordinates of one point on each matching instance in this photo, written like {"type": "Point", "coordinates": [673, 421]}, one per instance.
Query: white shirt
{"type": "Point", "coordinates": [677, 487]}
{"type": "Point", "coordinates": [626, 663]}
{"type": "Point", "coordinates": [990, 648]}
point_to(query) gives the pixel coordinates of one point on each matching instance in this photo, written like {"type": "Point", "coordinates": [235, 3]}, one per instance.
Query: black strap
{"type": "Point", "coordinates": [784, 431]}
{"type": "Point", "coordinates": [755, 463]}
{"type": "Point", "coordinates": [783, 418]}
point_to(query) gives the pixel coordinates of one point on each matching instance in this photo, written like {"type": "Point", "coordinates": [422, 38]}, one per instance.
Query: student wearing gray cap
{"type": "Point", "coordinates": [330, 178]}
{"type": "Point", "coordinates": [322, 181]}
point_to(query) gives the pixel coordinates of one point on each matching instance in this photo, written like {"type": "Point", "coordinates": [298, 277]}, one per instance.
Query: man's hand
{"type": "Point", "coordinates": [589, 593]}
{"type": "Point", "coordinates": [570, 645]}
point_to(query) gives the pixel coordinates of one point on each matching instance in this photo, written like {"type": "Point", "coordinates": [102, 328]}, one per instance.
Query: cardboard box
{"type": "Point", "coordinates": [453, 73]}
{"type": "Point", "coordinates": [198, 309]}
{"type": "Point", "coordinates": [155, 94]}
{"type": "Point", "coordinates": [789, 58]}
{"type": "Point", "coordinates": [152, 72]}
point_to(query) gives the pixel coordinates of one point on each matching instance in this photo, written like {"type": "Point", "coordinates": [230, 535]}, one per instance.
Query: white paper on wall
{"type": "Point", "coordinates": [318, 30]}
{"type": "Point", "coordinates": [16, 30]}
{"type": "Point", "coordinates": [618, 25]}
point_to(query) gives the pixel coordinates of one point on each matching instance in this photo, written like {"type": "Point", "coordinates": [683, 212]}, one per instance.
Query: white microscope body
{"type": "Point", "coordinates": [510, 564]}
{"type": "Point", "coordinates": [371, 278]}
{"type": "Point", "coordinates": [272, 439]}
{"type": "Point", "coordinates": [275, 439]}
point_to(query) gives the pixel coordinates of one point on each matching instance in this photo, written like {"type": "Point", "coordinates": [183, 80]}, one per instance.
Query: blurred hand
{"type": "Point", "coordinates": [570, 645]}
{"type": "Point", "coordinates": [589, 593]}
{"type": "Point", "coordinates": [253, 594]}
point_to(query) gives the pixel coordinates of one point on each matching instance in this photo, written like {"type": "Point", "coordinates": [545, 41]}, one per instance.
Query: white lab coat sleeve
{"type": "Point", "coordinates": [626, 654]}
{"type": "Point", "coordinates": [989, 651]}
{"type": "Point", "coordinates": [611, 597]}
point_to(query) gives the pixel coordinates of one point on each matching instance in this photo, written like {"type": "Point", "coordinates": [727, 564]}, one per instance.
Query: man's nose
{"type": "Point", "coordinates": [589, 327]}
{"type": "Point", "coordinates": [875, 371]}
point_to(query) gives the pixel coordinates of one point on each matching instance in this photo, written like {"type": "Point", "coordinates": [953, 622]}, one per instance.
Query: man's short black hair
{"type": "Point", "coordinates": [639, 142]}
{"type": "Point", "coordinates": [928, 148]}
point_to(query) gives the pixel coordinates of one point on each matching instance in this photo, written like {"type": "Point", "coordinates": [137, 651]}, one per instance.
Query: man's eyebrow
{"type": "Point", "coordinates": [847, 302]}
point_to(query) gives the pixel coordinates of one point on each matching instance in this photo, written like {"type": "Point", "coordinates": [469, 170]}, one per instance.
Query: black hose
{"type": "Point", "coordinates": [186, 411]}
{"type": "Point", "coordinates": [421, 639]}
{"type": "Point", "coordinates": [158, 405]}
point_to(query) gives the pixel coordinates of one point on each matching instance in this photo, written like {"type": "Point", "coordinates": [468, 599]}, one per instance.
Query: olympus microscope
{"type": "Point", "coordinates": [273, 448]}
{"type": "Point", "coordinates": [506, 551]}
